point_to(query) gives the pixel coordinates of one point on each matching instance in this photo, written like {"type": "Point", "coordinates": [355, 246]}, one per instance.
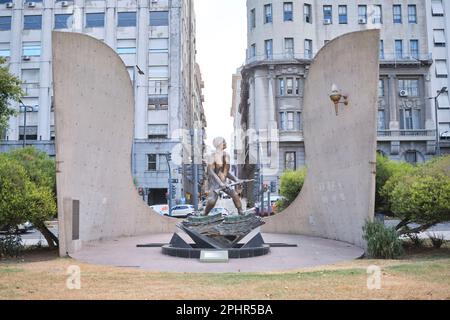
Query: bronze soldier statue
{"type": "Point", "coordinates": [218, 174]}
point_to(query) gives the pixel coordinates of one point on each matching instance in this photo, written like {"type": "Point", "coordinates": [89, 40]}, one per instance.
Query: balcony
{"type": "Point", "coordinates": [406, 135]}
{"type": "Point", "coordinates": [394, 59]}
{"type": "Point", "coordinates": [282, 57]}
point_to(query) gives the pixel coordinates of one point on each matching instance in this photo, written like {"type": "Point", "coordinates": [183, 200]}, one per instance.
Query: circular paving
{"type": "Point", "coordinates": [310, 252]}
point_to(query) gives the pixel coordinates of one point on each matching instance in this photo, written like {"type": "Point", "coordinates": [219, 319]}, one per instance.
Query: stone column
{"type": "Point", "coordinates": [392, 102]}
{"type": "Point", "coordinates": [15, 63]}
{"type": "Point", "coordinates": [110, 23]}
{"type": "Point", "coordinates": [45, 72]}
{"type": "Point", "coordinates": [141, 81]}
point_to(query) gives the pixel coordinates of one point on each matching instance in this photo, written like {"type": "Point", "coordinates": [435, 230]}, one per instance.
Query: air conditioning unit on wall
{"type": "Point", "coordinates": [64, 3]}
{"type": "Point", "coordinates": [31, 4]}
{"type": "Point", "coordinates": [403, 93]}
{"type": "Point", "coordinates": [9, 5]}
{"type": "Point", "coordinates": [327, 21]}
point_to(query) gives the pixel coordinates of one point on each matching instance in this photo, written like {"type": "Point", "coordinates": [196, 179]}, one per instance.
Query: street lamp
{"type": "Point", "coordinates": [168, 159]}
{"type": "Point", "coordinates": [133, 157]}
{"type": "Point", "coordinates": [25, 110]}
{"type": "Point", "coordinates": [436, 106]}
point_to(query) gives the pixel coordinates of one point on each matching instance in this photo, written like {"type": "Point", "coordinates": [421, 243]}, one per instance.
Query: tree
{"type": "Point", "coordinates": [14, 186]}
{"type": "Point", "coordinates": [421, 196]}
{"type": "Point", "coordinates": [291, 183]}
{"type": "Point", "coordinates": [27, 184]}
{"type": "Point", "coordinates": [10, 90]}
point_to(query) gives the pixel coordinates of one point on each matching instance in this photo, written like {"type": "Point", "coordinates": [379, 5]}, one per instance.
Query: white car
{"type": "Point", "coordinates": [162, 209]}
{"type": "Point", "coordinates": [182, 211]}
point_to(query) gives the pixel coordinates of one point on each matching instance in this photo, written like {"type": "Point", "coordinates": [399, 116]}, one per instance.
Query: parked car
{"type": "Point", "coordinates": [162, 209]}
{"type": "Point", "coordinates": [182, 211]}
{"type": "Point", "coordinates": [21, 228]}
{"type": "Point", "coordinates": [224, 212]}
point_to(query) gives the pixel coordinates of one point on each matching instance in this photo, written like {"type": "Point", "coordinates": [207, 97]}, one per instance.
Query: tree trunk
{"type": "Point", "coordinates": [51, 239]}
{"type": "Point", "coordinates": [418, 229]}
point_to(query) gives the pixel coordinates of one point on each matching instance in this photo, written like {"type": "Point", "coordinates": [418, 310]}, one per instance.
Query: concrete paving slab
{"type": "Point", "coordinates": [310, 252]}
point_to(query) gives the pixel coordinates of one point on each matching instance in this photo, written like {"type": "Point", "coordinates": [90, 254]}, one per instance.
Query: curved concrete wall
{"type": "Point", "coordinates": [339, 192]}
{"type": "Point", "coordinates": [94, 119]}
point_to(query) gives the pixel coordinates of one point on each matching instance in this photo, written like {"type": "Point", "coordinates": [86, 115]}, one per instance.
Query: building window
{"type": "Point", "coordinates": [381, 120]}
{"type": "Point", "coordinates": [411, 86]}
{"type": "Point", "coordinates": [308, 49]}
{"type": "Point", "coordinates": [288, 11]}
{"type": "Point", "coordinates": [152, 162]}
{"type": "Point", "coordinates": [297, 86]}
{"type": "Point", "coordinates": [437, 9]}
{"type": "Point", "coordinates": [414, 49]}
{"type": "Point", "coordinates": [158, 131]}
{"type": "Point", "coordinates": [362, 14]}
{"type": "Point", "coordinates": [289, 47]}
{"type": "Point", "coordinates": [439, 37]}
{"type": "Point", "coordinates": [327, 14]}
{"type": "Point", "coordinates": [378, 14]}
{"type": "Point", "coordinates": [381, 49]}
{"type": "Point", "coordinates": [126, 19]}
{"type": "Point", "coordinates": [290, 86]}
{"type": "Point", "coordinates": [5, 23]}
{"type": "Point", "coordinates": [158, 72]}
{"type": "Point", "coordinates": [126, 46]}
{"type": "Point", "coordinates": [31, 49]}
{"type": "Point", "coordinates": [290, 161]}
{"type": "Point", "coordinates": [252, 19]}
{"type": "Point", "coordinates": [342, 10]}
{"type": "Point", "coordinates": [253, 51]}
{"type": "Point", "coordinates": [95, 20]}
{"type": "Point", "coordinates": [32, 22]}
{"type": "Point", "coordinates": [269, 49]}
{"type": "Point", "coordinates": [281, 87]}
{"type": "Point", "coordinates": [268, 13]}
{"type": "Point", "coordinates": [282, 121]}
{"type": "Point", "coordinates": [441, 68]}
{"type": "Point", "coordinates": [399, 49]}
{"type": "Point", "coordinates": [290, 121]}
{"type": "Point", "coordinates": [159, 18]}
{"type": "Point", "coordinates": [31, 133]}
{"type": "Point", "coordinates": [410, 119]}
{"type": "Point", "coordinates": [381, 92]}
{"type": "Point", "coordinates": [411, 157]}
{"type": "Point", "coordinates": [5, 50]}
{"type": "Point", "coordinates": [412, 13]}
{"type": "Point", "coordinates": [397, 12]}
{"type": "Point", "coordinates": [307, 13]}
{"type": "Point", "coordinates": [63, 21]}
{"type": "Point", "coordinates": [158, 45]}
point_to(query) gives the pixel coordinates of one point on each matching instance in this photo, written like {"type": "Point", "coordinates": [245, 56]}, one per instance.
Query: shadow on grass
{"type": "Point", "coordinates": [30, 255]}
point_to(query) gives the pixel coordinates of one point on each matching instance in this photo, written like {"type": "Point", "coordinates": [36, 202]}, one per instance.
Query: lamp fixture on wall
{"type": "Point", "coordinates": [338, 98]}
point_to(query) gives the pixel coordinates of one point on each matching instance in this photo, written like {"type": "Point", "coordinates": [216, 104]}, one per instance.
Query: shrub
{"type": "Point", "coordinates": [416, 240]}
{"type": "Point", "coordinates": [420, 195]}
{"type": "Point", "coordinates": [437, 240]}
{"type": "Point", "coordinates": [291, 183]}
{"type": "Point", "coordinates": [386, 170]}
{"type": "Point", "coordinates": [382, 242]}
{"type": "Point", "coordinates": [10, 244]}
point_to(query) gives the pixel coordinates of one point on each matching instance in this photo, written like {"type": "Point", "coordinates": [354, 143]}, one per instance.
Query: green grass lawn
{"type": "Point", "coordinates": [420, 274]}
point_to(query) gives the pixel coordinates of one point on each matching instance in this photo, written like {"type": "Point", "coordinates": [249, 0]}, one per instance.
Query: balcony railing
{"type": "Point", "coordinates": [395, 58]}
{"type": "Point", "coordinates": [406, 58]}
{"type": "Point", "coordinates": [407, 133]}
{"type": "Point", "coordinates": [281, 57]}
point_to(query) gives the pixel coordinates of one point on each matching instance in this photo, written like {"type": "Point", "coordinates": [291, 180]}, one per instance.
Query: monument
{"type": "Point", "coordinates": [94, 120]}
{"type": "Point", "coordinates": [217, 232]}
